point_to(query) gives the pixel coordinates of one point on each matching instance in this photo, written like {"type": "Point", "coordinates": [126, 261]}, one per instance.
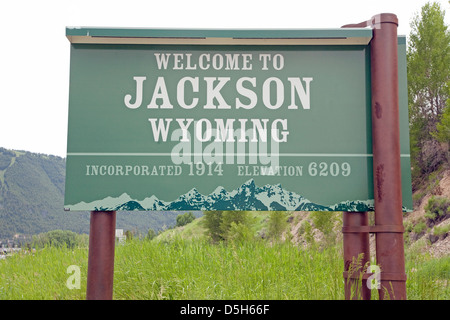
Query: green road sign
{"type": "Point", "coordinates": [224, 120]}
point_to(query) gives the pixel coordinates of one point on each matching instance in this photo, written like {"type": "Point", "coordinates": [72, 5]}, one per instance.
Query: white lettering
{"type": "Point", "coordinates": [137, 103]}
{"type": "Point", "coordinates": [264, 57]}
{"type": "Point", "coordinates": [160, 92]}
{"type": "Point", "coordinates": [232, 61]}
{"type": "Point", "coordinates": [247, 57]}
{"type": "Point", "coordinates": [198, 130]}
{"type": "Point", "coordinates": [278, 62]}
{"type": "Point", "coordinates": [177, 63]}
{"type": "Point", "coordinates": [217, 61]}
{"type": "Point", "coordinates": [214, 93]}
{"type": "Point", "coordinates": [279, 93]}
{"type": "Point", "coordinates": [162, 60]}
{"type": "Point", "coordinates": [189, 66]}
{"type": "Point", "coordinates": [181, 95]}
{"type": "Point", "coordinates": [251, 95]}
{"type": "Point", "coordinates": [224, 132]}
{"type": "Point", "coordinates": [184, 127]}
{"type": "Point", "coordinates": [160, 128]}
{"type": "Point", "coordinates": [275, 130]}
{"type": "Point", "coordinates": [262, 129]}
{"type": "Point", "coordinates": [188, 95]}
{"type": "Point", "coordinates": [296, 85]}
{"type": "Point", "coordinates": [202, 58]}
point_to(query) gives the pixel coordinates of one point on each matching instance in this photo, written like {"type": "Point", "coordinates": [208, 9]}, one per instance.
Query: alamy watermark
{"type": "Point", "coordinates": [373, 282]}
{"type": "Point", "coordinates": [73, 281]}
{"type": "Point", "coordinates": [229, 146]}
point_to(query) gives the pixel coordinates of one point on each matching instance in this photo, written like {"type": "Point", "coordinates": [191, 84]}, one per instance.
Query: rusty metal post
{"type": "Point", "coordinates": [386, 157]}
{"type": "Point", "coordinates": [356, 255]}
{"type": "Point", "coordinates": [101, 255]}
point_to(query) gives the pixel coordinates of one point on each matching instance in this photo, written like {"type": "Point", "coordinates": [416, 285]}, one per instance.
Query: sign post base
{"type": "Point", "coordinates": [356, 255]}
{"type": "Point", "coordinates": [101, 255]}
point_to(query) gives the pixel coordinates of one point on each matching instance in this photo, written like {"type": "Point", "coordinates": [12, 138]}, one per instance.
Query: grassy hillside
{"type": "Point", "coordinates": [32, 197]}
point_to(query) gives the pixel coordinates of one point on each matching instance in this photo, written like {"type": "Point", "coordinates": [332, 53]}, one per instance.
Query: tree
{"type": "Point", "coordinates": [325, 222]}
{"type": "Point", "coordinates": [443, 130]}
{"type": "Point", "coordinates": [240, 233]}
{"type": "Point", "coordinates": [443, 127]}
{"type": "Point", "coordinates": [277, 224]}
{"type": "Point", "coordinates": [212, 221]}
{"type": "Point", "coordinates": [184, 219]}
{"type": "Point", "coordinates": [56, 238]}
{"type": "Point", "coordinates": [227, 225]}
{"type": "Point", "coordinates": [233, 217]}
{"type": "Point", "coordinates": [129, 235]}
{"type": "Point", "coordinates": [151, 234]}
{"type": "Point", "coordinates": [428, 61]}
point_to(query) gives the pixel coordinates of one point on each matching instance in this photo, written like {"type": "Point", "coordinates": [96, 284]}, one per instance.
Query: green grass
{"type": "Point", "coordinates": [199, 270]}
{"type": "Point", "coordinates": [42, 274]}
{"type": "Point", "coordinates": [428, 279]}
{"type": "Point", "coordinates": [196, 269]}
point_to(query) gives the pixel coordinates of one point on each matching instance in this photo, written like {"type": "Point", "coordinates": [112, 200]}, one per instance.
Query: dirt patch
{"type": "Point", "coordinates": [444, 185]}
{"type": "Point", "coordinates": [441, 248]}
{"type": "Point", "coordinates": [429, 243]}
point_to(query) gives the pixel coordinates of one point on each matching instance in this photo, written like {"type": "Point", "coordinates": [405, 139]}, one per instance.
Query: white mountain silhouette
{"type": "Point", "coordinates": [247, 197]}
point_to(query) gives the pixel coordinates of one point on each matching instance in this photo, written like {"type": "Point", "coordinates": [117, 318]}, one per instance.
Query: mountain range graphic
{"type": "Point", "coordinates": [247, 197]}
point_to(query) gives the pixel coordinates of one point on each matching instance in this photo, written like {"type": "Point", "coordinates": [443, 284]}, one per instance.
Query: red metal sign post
{"type": "Point", "coordinates": [100, 276]}
{"type": "Point", "coordinates": [386, 158]}
{"type": "Point", "coordinates": [386, 169]}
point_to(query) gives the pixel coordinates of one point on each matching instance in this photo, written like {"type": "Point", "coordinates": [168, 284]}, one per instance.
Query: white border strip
{"type": "Point", "coordinates": [221, 41]}
{"type": "Point", "coordinates": [162, 154]}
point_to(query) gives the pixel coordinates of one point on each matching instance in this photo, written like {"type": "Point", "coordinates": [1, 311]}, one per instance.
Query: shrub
{"type": "Point", "coordinates": [237, 218]}
{"type": "Point", "coordinates": [325, 222]}
{"type": "Point", "coordinates": [439, 231]}
{"type": "Point", "coordinates": [58, 238]}
{"type": "Point", "coordinates": [307, 232]}
{"type": "Point", "coordinates": [184, 219]}
{"type": "Point", "coordinates": [240, 233]}
{"type": "Point", "coordinates": [437, 209]}
{"type": "Point", "coordinates": [420, 227]}
{"type": "Point", "coordinates": [224, 225]}
{"type": "Point", "coordinates": [150, 234]}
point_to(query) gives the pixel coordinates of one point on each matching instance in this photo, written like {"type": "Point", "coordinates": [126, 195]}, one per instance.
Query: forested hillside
{"type": "Point", "coordinates": [32, 197]}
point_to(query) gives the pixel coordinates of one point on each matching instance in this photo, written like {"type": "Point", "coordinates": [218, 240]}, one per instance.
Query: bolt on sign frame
{"type": "Point", "coordinates": [163, 120]}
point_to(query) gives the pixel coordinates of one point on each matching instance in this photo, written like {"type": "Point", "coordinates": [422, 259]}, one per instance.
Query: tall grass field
{"type": "Point", "coordinates": [197, 269]}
